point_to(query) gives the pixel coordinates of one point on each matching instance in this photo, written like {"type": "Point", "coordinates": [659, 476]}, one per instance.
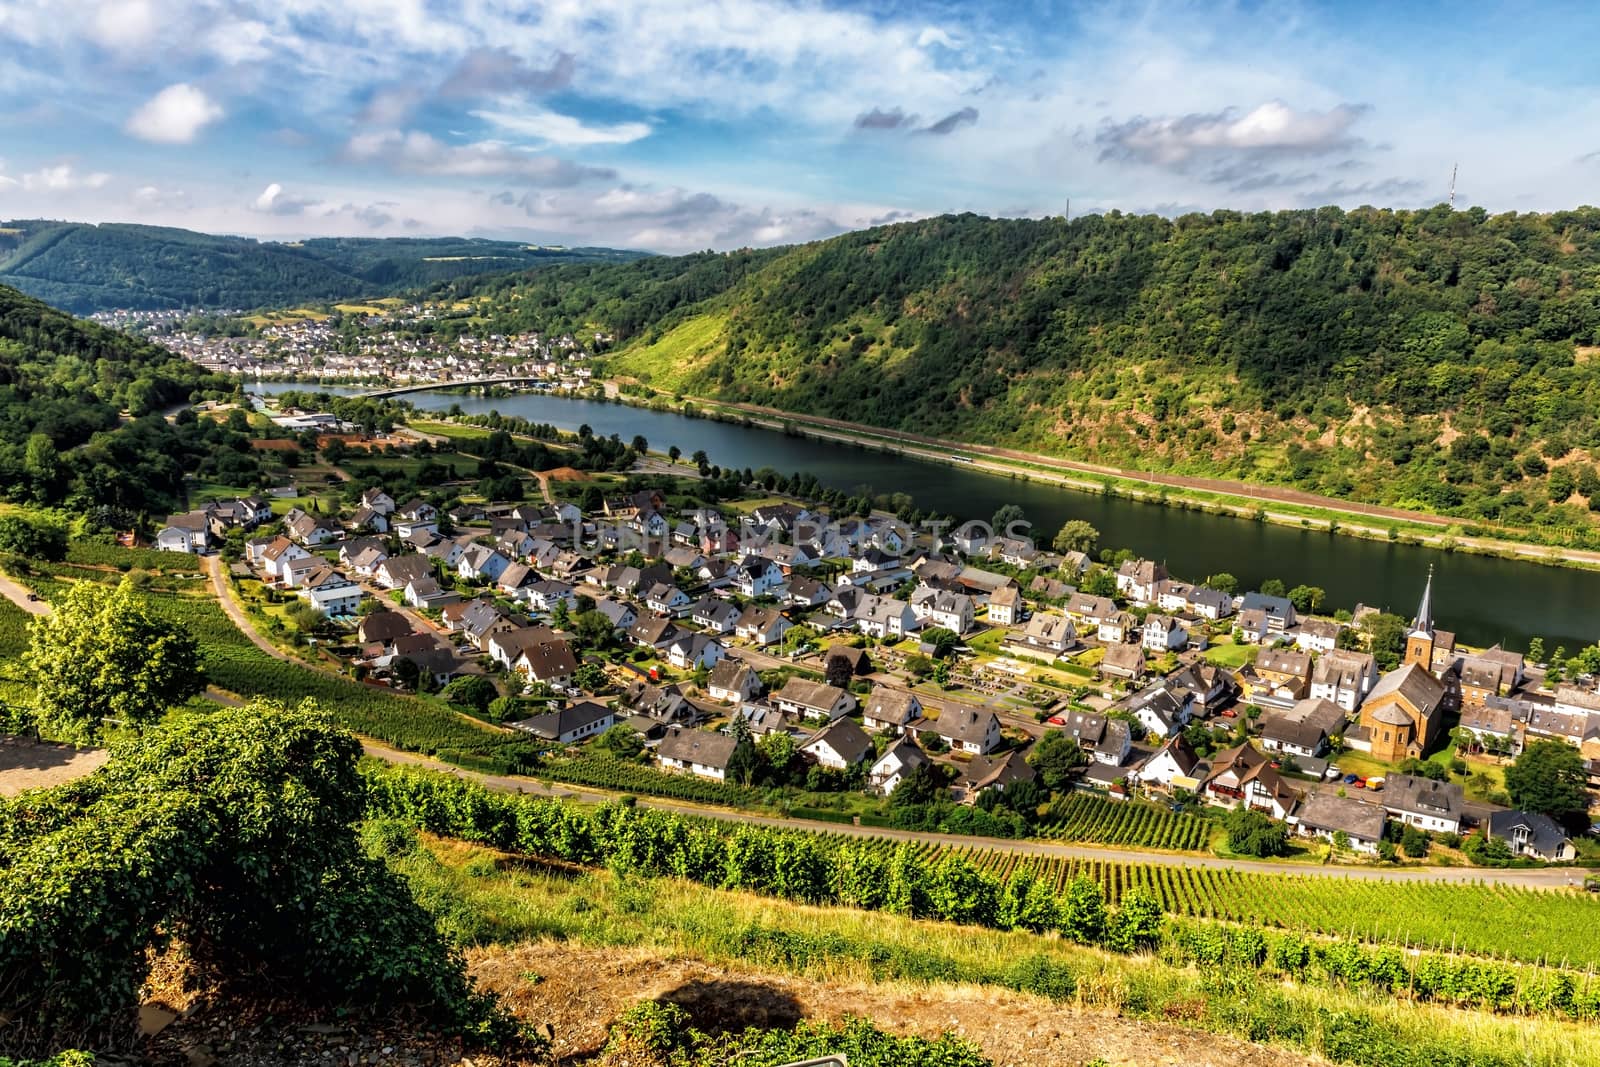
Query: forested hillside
{"type": "Point", "coordinates": [1434, 359]}
{"type": "Point", "coordinates": [80, 412]}
{"type": "Point", "coordinates": [85, 268]}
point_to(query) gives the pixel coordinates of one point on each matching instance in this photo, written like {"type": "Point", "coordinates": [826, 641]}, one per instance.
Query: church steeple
{"type": "Point", "coordinates": [1423, 623]}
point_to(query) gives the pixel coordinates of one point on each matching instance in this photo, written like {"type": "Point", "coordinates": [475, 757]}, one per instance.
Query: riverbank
{"type": "Point", "coordinates": [1269, 504]}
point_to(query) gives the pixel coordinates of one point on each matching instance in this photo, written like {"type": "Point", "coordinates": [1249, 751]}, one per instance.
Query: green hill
{"type": "Point", "coordinates": [1433, 359]}
{"type": "Point", "coordinates": [85, 268]}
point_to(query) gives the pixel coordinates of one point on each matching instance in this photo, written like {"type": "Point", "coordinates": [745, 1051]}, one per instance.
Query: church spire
{"type": "Point", "coordinates": [1424, 620]}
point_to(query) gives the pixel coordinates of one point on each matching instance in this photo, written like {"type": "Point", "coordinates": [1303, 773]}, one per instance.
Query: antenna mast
{"type": "Point", "coordinates": [1453, 168]}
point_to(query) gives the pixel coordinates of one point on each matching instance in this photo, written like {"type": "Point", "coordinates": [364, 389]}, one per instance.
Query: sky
{"type": "Point", "coordinates": [677, 125]}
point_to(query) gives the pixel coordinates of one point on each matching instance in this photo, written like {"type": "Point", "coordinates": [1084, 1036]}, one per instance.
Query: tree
{"type": "Point", "coordinates": [1083, 911]}
{"type": "Point", "coordinates": [779, 756]}
{"type": "Point", "coordinates": [1549, 778]}
{"type": "Point", "coordinates": [742, 762]}
{"type": "Point", "coordinates": [1307, 598]}
{"type": "Point", "coordinates": [593, 630]}
{"type": "Point", "coordinates": [923, 784]}
{"type": "Point", "coordinates": [304, 618]}
{"type": "Point", "coordinates": [102, 654]}
{"type": "Point", "coordinates": [409, 675]}
{"type": "Point", "coordinates": [471, 691]}
{"type": "Point", "coordinates": [941, 642]}
{"type": "Point", "coordinates": [1273, 587]}
{"type": "Point", "coordinates": [1005, 516]}
{"type": "Point", "coordinates": [1251, 833]}
{"type": "Point", "coordinates": [591, 678]}
{"type": "Point", "coordinates": [1076, 535]}
{"type": "Point", "coordinates": [1054, 758]}
{"type": "Point", "coordinates": [35, 538]}
{"type": "Point", "coordinates": [1222, 582]}
{"type": "Point", "coordinates": [1414, 842]}
{"type": "Point", "coordinates": [1386, 635]}
{"type": "Point", "coordinates": [621, 741]}
{"type": "Point", "coordinates": [1536, 650]}
{"type": "Point", "coordinates": [1137, 922]}
{"type": "Point", "coordinates": [1100, 581]}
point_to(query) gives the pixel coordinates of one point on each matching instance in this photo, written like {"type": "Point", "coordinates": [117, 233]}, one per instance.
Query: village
{"type": "Point", "coordinates": [884, 654]}
{"type": "Point", "coordinates": [387, 342]}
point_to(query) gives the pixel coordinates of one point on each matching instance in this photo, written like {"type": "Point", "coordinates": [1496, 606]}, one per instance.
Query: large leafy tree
{"type": "Point", "coordinates": [1548, 778]}
{"type": "Point", "coordinates": [102, 654]}
{"type": "Point", "coordinates": [1076, 535]}
{"type": "Point", "coordinates": [1054, 758]}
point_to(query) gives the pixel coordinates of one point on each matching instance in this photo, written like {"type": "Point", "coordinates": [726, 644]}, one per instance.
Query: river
{"type": "Point", "coordinates": [1482, 598]}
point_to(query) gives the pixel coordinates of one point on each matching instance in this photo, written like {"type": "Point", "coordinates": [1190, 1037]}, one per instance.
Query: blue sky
{"type": "Point", "coordinates": [675, 125]}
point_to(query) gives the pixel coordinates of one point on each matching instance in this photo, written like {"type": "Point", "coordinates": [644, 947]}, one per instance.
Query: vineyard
{"type": "Point", "coordinates": [602, 772]}
{"type": "Point", "coordinates": [1533, 925]}
{"type": "Point", "coordinates": [1102, 821]}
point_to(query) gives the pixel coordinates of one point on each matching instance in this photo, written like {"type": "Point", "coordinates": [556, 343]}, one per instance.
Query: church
{"type": "Point", "coordinates": [1404, 713]}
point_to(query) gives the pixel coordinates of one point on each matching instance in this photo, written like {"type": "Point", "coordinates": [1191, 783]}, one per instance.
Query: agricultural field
{"type": "Point", "coordinates": [603, 773]}
{"type": "Point", "coordinates": [1102, 821]}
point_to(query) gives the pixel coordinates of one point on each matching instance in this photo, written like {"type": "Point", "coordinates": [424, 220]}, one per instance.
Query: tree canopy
{"type": "Point", "coordinates": [1549, 778]}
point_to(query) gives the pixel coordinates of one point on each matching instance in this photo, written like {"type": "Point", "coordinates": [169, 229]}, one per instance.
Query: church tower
{"type": "Point", "coordinates": [1419, 642]}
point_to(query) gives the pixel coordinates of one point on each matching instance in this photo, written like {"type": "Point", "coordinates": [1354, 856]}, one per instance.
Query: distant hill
{"type": "Point", "coordinates": [85, 268]}
{"type": "Point", "coordinates": [1442, 360]}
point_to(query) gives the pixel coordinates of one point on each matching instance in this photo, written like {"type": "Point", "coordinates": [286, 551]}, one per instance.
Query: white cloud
{"type": "Point", "coordinates": [62, 178]}
{"type": "Point", "coordinates": [274, 201]}
{"type": "Point", "coordinates": [175, 115]}
{"type": "Point", "coordinates": [556, 129]}
{"type": "Point", "coordinates": [1272, 126]}
{"type": "Point", "coordinates": [416, 152]}
{"type": "Point", "coordinates": [123, 25]}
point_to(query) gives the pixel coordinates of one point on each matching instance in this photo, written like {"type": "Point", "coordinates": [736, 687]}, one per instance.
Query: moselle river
{"type": "Point", "coordinates": [1483, 599]}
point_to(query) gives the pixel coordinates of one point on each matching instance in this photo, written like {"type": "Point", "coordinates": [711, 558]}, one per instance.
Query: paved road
{"type": "Point", "coordinates": [1543, 878]}
{"type": "Point", "coordinates": [19, 596]}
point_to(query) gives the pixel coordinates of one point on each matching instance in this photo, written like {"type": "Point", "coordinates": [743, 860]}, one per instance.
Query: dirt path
{"type": "Point", "coordinates": [219, 585]}
{"type": "Point", "coordinates": [19, 596]}
{"type": "Point", "coordinates": [581, 991]}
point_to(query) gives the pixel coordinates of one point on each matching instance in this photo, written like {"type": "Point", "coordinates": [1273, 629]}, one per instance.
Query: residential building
{"type": "Point", "coordinates": [1137, 578]}
{"type": "Point", "coordinates": [1323, 815]}
{"type": "Point", "coordinates": [1006, 606]}
{"type": "Point", "coordinates": [692, 651]}
{"type": "Point", "coordinates": [1344, 678]}
{"type": "Point", "coordinates": [1531, 834]}
{"type": "Point", "coordinates": [1163, 633]}
{"type": "Point", "coordinates": [1244, 776]}
{"type": "Point", "coordinates": [1046, 635]}
{"type": "Point", "coordinates": [982, 774]}
{"type": "Point", "coordinates": [898, 760]}
{"type": "Point", "coordinates": [839, 745]}
{"type": "Point", "coordinates": [698, 752]}
{"type": "Point", "coordinates": [813, 700]}
{"type": "Point", "coordinates": [1423, 802]}
{"type": "Point", "coordinates": [1174, 766]}
{"type": "Point", "coordinates": [967, 729]}
{"type": "Point", "coordinates": [570, 725]}
{"type": "Point", "coordinates": [891, 710]}
{"type": "Point", "coordinates": [733, 682]}
{"type": "Point", "coordinates": [1303, 730]}
{"type": "Point", "coordinates": [1123, 661]}
{"type": "Point", "coordinates": [762, 626]}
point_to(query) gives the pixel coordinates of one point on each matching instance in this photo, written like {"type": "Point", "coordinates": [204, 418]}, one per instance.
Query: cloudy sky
{"type": "Point", "coordinates": [675, 124]}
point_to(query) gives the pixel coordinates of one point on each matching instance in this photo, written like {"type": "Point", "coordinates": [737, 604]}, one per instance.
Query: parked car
{"type": "Point", "coordinates": [1351, 779]}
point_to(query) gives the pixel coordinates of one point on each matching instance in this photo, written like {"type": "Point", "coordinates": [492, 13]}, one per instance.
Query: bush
{"type": "Point", "coordinates": [1250, 833]}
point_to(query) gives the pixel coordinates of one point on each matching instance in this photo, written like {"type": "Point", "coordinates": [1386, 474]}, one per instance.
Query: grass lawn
{"type": "Point", "coordinates": [1229, 655]}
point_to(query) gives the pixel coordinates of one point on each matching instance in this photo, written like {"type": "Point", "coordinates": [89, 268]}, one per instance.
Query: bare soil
{"type": "Point", "coordinates": [580, 992]}
{"type": "Point", "coordinates": [28, 764]}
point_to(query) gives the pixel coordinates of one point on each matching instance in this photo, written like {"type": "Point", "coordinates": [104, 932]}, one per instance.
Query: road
{"type": "Point", "coordinates": [19, 596]}
{"type": "Point", "coordinates": [1537, 878]}
{"type": "Point", "coordinates": [219, 585]}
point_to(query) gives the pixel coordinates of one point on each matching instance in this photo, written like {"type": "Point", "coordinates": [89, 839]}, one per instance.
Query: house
{"type": "Point", "coordinates": [1278, 678]}
{"type": "Point", "coordinates": [1005, 606]}
{"type": "Point", "coordinates": [1344, 678]}
{"type": "Point", "coordinates": [857, 662]}
{"type": "Point", "coordinates": [760, 719]}
{"type": "Point", "coordinates": [445, 551]}
{"type": "Point", "coordinates": [362, 555]}
{"type": "Point", "coordinates": [1423, 802]}
{"type": "Point", "coordinates": [1531, 834]}
{"type": "Point", "coordinates": [377, 500]}
{"type": "Point", "coordinates": [1323, 815]}
{"type": "Point", "coordinates": [477, 620]}
{"type": "Point", "coordinates": [1086, 610]}
{"type": "Point", "coordinates": [699, 752]}
{"type": "Point", "coordinates": [985, 773]}
{"type": "Point", "coordinates": [805, 593]}
{"type": "Point", "coordinates": [331, 593]}
{"type": "Point", "coordinates": [278, 554]}
{"type": "Point", "coordinates": [1084, 727]}
{"type": "Point", "coordinates": [424, 593]}
{"type": "Point", "coordinates": [659, 703]}
{"type": "Point", "coordinates": [1252, 628]}
{"type": "Point", "coordinates": [970, 538]}
{"type": "Point", "coordinates": [1137, 578]}
{"type": "Point", "coordinates": [1243, 776]}
{"type": "Point", "coordinates": [937, 607]}
{"type": "Point", "coordinates": [757, 576]}
{"type": "Point", "coordinates": [898, 760]}
{"type": "Point", "coordinates": [762, 626]}
{"type": "Point", "coordinates": [545, 593]}
{"type": "Point", "coordinates": [666, 599]}
{"type": "Point", "coordinates": [733, 682]}
{"type": "Point", "coordinates": [364, 518]}
{"type": "Point", "coordinates": [481, 564]}
{"type": "Point", "coordinates": [1303, 730]}
{"type": "Point", "coordinates": [1494, 672]}
{"type": "Point", "coordinates": [416, 515]}
{"type": "Point", "coordinates": [1208, 685]}
{"type": "Point", "coordinates": [1161, 709]}
{"type": "Point", "coordinates": [1163, 633]}
{"type": "Point", "coordinates": [1116, 742]}
{"type": "Point", "coordinates": [396, 572]}
{"type": "Point", "coordinates": [839, 745]}
{"type": "Point", "coordinates": [716, 615]}
{"type": "Point", "coordinates": [691, 651]}
{"type": "Point", "coordinates": [506, 645]}
{"type": "Point", "coordinates": [1209, 603]}
{"type": "Point", "coordinates": [382, 627]}
{"type": "Point", "coordinates": [884, 616]}
{"type": "Point", "coordinates": [548, 662]}
{"type": "Point", "coordinates": [1278, 610]}
{"type": "Point", "coordinates": [1317, 635]}
{"type": "Point", "coordinates": [313, 530]}
{"type": "Point", "coordinates": [891, 710]}
{"type": "Point", "coordinates": [653, 633]}
{"type": "Point", "coordinates": [813, 700]}
{"type": "Point", "coordinates": [1116, 629]}
{"type": "Point", "coordinates": [1402, 715]}
{"type": "Point", "coordinates": [1123, 661]}
{"type": "Point", "coordinates": [297, 571]}
{"type": "Point", "coordinates": [570, 725]}
{"type": "Point", "coordinates": [190, 533]}
{"type": "Point", "coordinates": [1175, 765]}
{"type": "Point", "coordinates": [1046, 635]}
{"type": "Point", "coordinates": [968, 729]}
{"type": "Point", "coordinates": [432, 657]}
{"type": "Point", "coordinates": [622, 615]}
